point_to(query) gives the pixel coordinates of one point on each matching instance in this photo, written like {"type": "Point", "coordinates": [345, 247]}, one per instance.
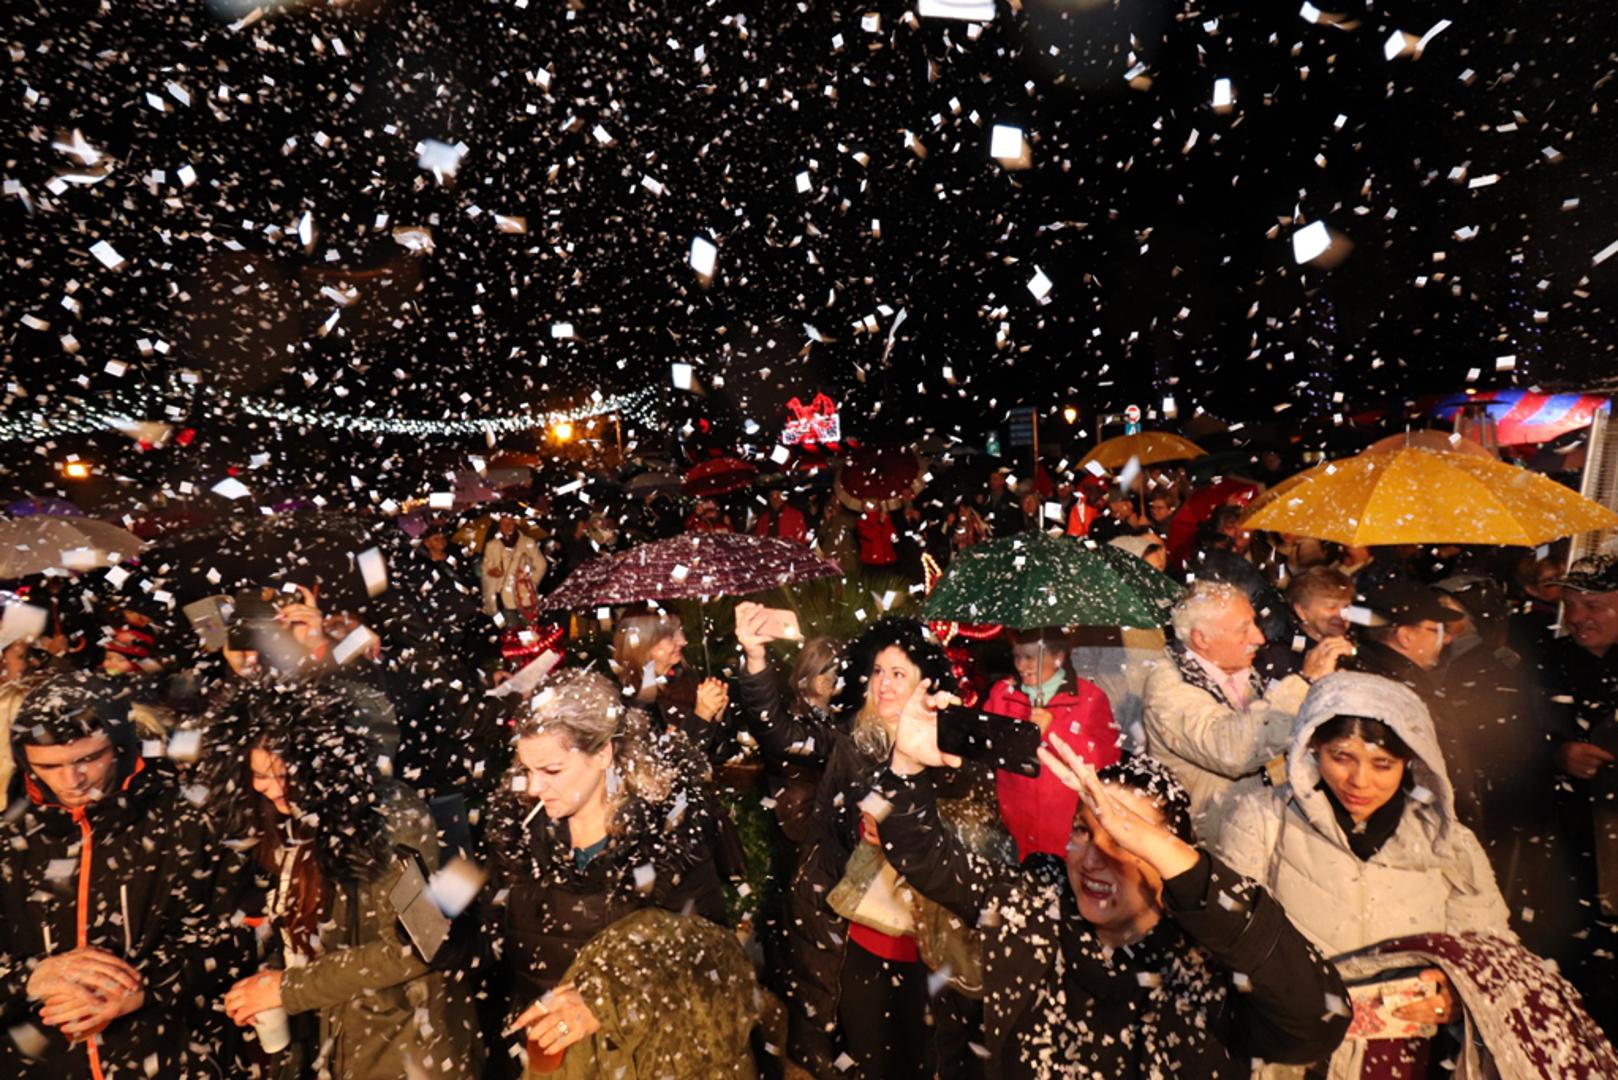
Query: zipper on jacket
{"type": "Point", "coordinates": [82, 918]}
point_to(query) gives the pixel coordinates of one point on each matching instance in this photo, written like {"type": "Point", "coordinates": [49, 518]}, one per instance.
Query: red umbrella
{"type": "Point", "coordinates": [1199, 507]}
{"type": "Point", "coordinates": [887, 475]}
{"type": "Point", "coordinates": [721, 476]}
{"type": "Point", "coordinates": [693, 565]}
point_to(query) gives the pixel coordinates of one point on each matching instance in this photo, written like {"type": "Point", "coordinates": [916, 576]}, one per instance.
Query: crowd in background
{"type": "Point", "coordinates": [1329, 767]}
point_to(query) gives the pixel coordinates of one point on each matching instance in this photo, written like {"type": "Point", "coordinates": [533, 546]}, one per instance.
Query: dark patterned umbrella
{"type": "Point", "coordinates": [1032, 579]}
{"type": "Point", "coordinates": [693, 565]}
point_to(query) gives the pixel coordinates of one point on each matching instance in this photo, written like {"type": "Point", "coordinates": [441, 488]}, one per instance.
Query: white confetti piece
{"type": "Point", "coordinates": [1223, 96]}
{"type": "Point", "coordinates": [681, 375]}
{"type": "Point", "coordinates": [1605, 253]}
{"type": "Point", "coordinates": [1310, 242]}
{"type": "Point", "coordinates": [704, 256]}
{"type": "Point", "coordinates": [230, 488]}
{"type": "Point", "coordinates": [1039, 285]}
{"type": "Point", "coordinates": [374, 569]}
{"type": "Point", "coordinates": [964, 10]}
{"type": "Point", "coordinates": [440, 158]}
{"type": "Point", "coordinates": [107, 255]}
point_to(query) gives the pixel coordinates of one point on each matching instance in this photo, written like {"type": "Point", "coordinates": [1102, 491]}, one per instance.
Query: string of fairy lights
{"type": "Point", "coordinates": [136, 408]}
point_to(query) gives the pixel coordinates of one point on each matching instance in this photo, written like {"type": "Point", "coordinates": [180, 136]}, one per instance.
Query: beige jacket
{"type": "Point", "coordinates": [1209, 744]}
{"type": "Point", "coordinates": [1430, 877]}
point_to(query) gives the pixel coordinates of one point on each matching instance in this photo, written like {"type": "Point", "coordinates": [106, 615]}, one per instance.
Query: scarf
{"type": "Point", "coordinates": [1365, 838]}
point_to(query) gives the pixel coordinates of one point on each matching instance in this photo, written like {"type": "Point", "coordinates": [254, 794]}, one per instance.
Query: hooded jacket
{"type": "Point", "coordinates": [1431, 876]}
{"type": "Point", "coordinates": [138, 874]}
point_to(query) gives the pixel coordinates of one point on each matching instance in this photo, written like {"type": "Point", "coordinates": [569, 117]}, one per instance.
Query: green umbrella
{"type": "Point", "coordinates": [1032, 579]}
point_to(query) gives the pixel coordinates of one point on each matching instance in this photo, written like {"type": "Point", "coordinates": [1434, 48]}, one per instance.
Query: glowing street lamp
{"type": "Point", "coordinates": [1070, 413]}
{"type": "Point", "coordinates": [562, 430]}
{"type": "Point", "coordinates": [76, 470]}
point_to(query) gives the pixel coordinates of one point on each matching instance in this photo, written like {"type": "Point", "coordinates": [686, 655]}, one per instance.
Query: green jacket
{"type": "Point", "coordinates": [676, 999]}
{"type": "Point", "coordinates": [384, 1013]}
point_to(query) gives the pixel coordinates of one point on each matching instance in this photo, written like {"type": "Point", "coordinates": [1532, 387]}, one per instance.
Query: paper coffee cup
{"type": "Point", "coordinates": [274, 1032]}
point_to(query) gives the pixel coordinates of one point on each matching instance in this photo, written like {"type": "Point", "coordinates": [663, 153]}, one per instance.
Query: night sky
{"type": "Point", "coordinates": [268, 188]}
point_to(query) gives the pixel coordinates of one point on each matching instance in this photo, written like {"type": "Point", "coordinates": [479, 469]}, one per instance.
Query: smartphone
{"type": "Point", "coordinates": [782, 625]}
{"type": "Point", "coordinates": [254, 627]}
{"type": "Point", "coordinates": [427, 927]}
{"type": "Point", "coordinates": [1001, 741]}
{"type": "Point", "coordinates": [1375, 1004]}
{"type": "Point", "coordinates": [207, 617]}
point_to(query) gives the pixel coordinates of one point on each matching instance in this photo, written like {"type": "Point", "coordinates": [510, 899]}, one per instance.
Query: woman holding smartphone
{"type": "Point", "coordinates": [1360, 844]}
{"type": "Point", "coordinates": [648, 656]}
{"type": "Point", "coordinates": [852, 988]}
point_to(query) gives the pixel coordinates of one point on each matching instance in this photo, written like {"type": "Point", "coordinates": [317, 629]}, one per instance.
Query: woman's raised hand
{"type": "Point", "coordinates": [753, 633]}
{"type": "Point", "coordinates": [915, 742]}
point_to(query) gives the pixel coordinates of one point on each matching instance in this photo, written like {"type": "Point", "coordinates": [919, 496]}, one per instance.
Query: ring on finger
{"type": "Point", "coordinates": [562, 1028]}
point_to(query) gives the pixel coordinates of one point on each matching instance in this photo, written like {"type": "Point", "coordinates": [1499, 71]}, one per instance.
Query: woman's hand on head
{"type": "Point", "coordinates": [1159, 848]}
{"type": "Point", "coordinates": [915, 741]}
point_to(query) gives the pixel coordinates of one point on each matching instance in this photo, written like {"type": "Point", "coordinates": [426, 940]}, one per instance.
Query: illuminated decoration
{"type": "Point", "coordinates": [816, 422]}
{"type": "Point", "coordinates": [120, 412]}
{"type": "Point", "coordinates": [1070, 413]}
{"type": "Point", "coordinates": [76, 470]}
{"type": "Point", "coordinates": [563, 430]}
{"type": "Point", "coordinates": [948, 632]}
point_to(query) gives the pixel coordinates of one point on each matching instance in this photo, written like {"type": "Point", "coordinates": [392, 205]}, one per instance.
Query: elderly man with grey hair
{"type": "Point", "coordinates": [1208, 714]}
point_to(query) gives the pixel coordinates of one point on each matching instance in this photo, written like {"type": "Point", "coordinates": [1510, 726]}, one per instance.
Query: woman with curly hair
{"type": "Point", "coordinates": [601, 818]}
{"type": "Point", "coordinates": [331, 835]}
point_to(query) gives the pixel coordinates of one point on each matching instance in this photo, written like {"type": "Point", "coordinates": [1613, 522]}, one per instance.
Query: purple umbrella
{"type": "Point", "coordinates": [693, 565]}
{"type": "Point", "coordinates": [47, 507]}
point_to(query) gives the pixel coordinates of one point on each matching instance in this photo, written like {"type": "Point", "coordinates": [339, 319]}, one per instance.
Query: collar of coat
{"type": "Point", "coordinates": [1196, 675]}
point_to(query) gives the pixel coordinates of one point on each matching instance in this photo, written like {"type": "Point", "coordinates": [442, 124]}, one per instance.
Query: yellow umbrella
{"type": "Point", "coordinates": [1412, 495]}
{"type": "Point", "coordinates": [1147, 447]}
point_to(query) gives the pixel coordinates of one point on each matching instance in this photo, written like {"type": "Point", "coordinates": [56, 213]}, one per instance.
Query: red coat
{"type": "Point", "coordinates": [789, 525]}
{"type": "Point", "coordinates": [1038, 811]}
{"type": "Point", "coordinates": [877, 534]}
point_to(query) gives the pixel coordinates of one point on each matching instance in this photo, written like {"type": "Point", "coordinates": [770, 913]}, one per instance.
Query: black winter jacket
{"type": "Point", "coordinates": [816, 935]}
{"type": "Point", "coordinates": [541, 908]}
{"type": "Point", "coordinates": [1222, 979]}
{"type": "Point", "coordinates": [143, 874]}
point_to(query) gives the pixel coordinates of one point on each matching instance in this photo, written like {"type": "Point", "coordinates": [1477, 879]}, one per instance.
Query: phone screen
{"type": "Point", "coordinates": [1001, 741]}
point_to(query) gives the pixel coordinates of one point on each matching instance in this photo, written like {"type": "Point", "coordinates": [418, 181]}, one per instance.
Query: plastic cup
{"type": "Point", "coordinates": [540, 1062]}
{"type": "Point", "coordinates": [274, 1031]}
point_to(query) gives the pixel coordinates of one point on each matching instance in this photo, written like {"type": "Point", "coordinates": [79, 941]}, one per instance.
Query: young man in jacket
{"type": "Point", "coordinates": [1137, 954]}
{"type": "Point", "coordinates": [115, 901]}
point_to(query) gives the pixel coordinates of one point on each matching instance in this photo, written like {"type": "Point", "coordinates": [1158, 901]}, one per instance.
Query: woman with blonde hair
{"type": "Point", "coordinates": [602, 817]}
{"type": "Point", "coordinates": [856, 989]}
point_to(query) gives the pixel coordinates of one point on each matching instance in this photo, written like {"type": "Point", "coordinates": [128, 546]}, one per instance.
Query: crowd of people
{"type": "Point", "coordinates": [1347, 813]}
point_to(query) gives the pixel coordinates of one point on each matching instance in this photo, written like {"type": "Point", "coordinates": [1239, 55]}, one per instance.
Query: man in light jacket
{"type": "Point", "coordinates": [1208, 715]}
